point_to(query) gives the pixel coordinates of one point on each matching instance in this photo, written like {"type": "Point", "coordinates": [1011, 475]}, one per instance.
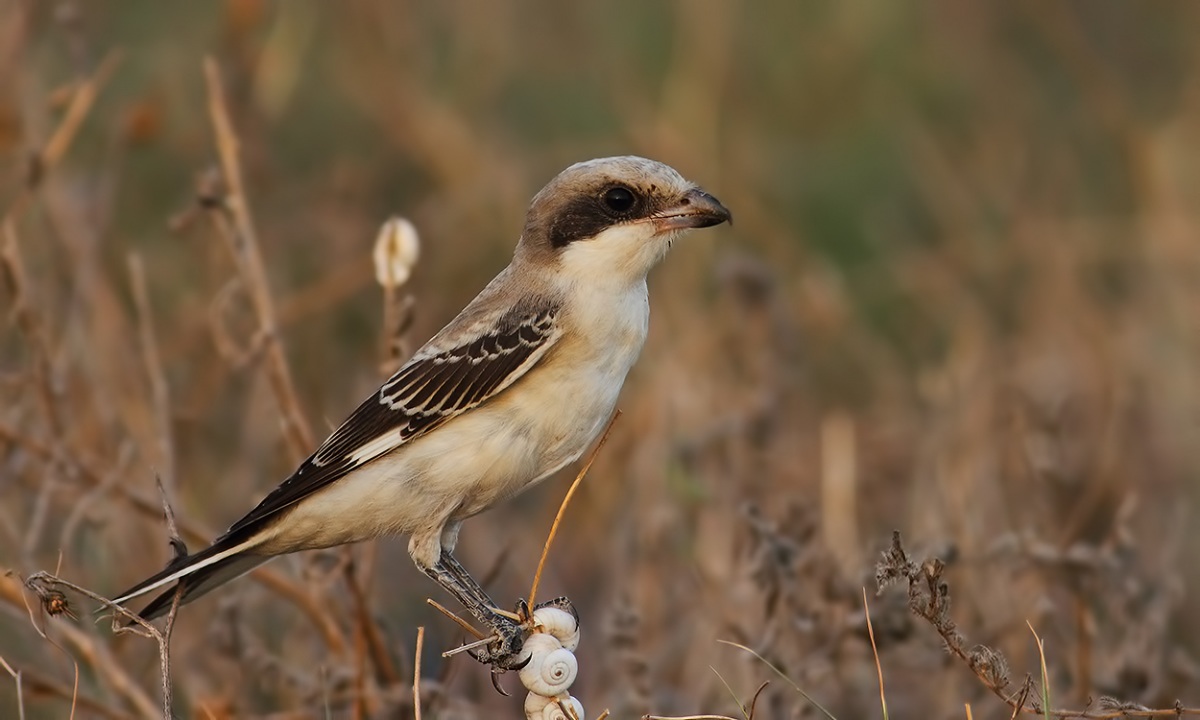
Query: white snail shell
{"type": "Point", "coordinates": [539, 707]}
{"type": "Point", "coordinates": [551, 668]}
{"type": "Point", "coordinates": [559, 623]}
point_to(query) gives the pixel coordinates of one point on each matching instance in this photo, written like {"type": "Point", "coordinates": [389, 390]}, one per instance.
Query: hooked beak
{"type": "Point", "coordinates": [696, 209]}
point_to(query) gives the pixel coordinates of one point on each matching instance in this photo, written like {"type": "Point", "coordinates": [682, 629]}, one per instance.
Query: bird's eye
{"type": "Point", "coordinates": [619, 199]}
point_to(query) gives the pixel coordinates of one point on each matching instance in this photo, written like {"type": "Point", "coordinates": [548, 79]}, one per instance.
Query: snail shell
{"type": "Point", "coordinates": [551, 668]}
{"type": "Point", "coordinates": [539, 707]}
{"type": "Point", "coordinates": [559, 623]}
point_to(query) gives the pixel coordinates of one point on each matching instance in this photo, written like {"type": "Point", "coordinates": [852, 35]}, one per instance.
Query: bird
{"type": "Point", "coordinates": [515, 387]}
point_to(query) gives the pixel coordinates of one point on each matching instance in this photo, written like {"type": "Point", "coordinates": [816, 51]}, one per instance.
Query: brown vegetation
{"type": "Point", "coordinates": [960, 300]}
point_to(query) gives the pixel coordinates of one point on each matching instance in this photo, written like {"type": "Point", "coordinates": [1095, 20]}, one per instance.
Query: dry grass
{"type": "Point", "coordinates": [959, 301]}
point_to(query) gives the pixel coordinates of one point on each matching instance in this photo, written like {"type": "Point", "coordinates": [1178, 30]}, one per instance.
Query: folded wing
{"type": "Point", "coordinates": [431, 388]}
{"type": "Point", "coordinates": [455, 372]}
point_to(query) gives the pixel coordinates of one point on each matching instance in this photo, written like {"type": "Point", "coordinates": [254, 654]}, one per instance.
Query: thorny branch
{"type": "Point", "coordinates": [929, 599]}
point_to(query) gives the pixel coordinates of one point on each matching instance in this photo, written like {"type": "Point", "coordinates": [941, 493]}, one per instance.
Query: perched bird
{"type": "Point", "coordinates": [514, 388]}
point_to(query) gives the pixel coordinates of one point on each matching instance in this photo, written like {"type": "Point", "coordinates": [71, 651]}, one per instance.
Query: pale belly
{"type": "Point", "coordinates": [466, 466]}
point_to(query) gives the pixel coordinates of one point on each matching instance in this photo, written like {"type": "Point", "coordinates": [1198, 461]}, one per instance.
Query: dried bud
{"type": "Point", "coordinates": [56, 603]}
{"type": "Point", "coordinates": [396, 251]}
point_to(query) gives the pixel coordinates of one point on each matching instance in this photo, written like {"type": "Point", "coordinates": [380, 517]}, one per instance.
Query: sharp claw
{"type": "Point", "coordinates": [496, 683]}
{"type": "Point", "coordinates": [523, 663]}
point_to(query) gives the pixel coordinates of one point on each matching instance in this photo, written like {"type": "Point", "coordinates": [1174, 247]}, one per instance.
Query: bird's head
{"type": "Point", "coordinates": [614, 217]}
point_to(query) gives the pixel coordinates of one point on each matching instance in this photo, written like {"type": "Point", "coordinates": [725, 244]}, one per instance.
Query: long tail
{"type": "Point", "coordinates": [197, 574]}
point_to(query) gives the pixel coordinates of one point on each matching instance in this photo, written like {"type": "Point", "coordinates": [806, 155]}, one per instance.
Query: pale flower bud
{"type": "Point", "coordinates": [396, 252]}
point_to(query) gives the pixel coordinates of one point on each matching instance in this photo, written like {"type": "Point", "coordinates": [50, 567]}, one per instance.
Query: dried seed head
{"type": "Point", "coordinates": [396, 252]}
{"type": "Point", "coordinates": [55, 603]}
{"type": "Point", "coordinates": [989, 665]}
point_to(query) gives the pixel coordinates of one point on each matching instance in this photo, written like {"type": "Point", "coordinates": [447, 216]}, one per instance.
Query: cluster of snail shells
{"type": "Point", "coordinates": [552, 667]}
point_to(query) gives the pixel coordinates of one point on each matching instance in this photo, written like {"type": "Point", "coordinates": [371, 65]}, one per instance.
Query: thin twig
{"type": "Point", "coordinates": [29, 322]}
{"type": "Point", "coordinates": [754, 700]}
{"type": "Point", "coordinates": [375, 642]}
{"type": "Point", "coordinates": [39, 684]}
{"type": "Point", "coordinates": [417, 673]}
{"type": "Point", "coordinates": [16, 676]}
{"type": "Point", "coordinates": [781, 674]}
{"type": "Point", "coordinates": [929, 600]}
{"type": "Point", "coordinates": [82, 101]}
{"type": "Point", "coordinates": [234, 219]}
{"type": "Point", "coordinates": [453, 616]}
{"type": "Point", "coordinates": [56, 605]}
{"type": "Point", "coordinates": [1045, 675]}
{"type": "Point", "coordinates": [470, 646]}
{"type": "Point", "coordinates": [159, 389]}
{"type": "Point", "coordinates": [687, 717]}
{"type": "Point", "coordinates": [95, 655]}
{"type": "Point", "coordinates": [562, 508]}
{"type": "Point", "coordinates": [732, 694]}
{"type": "Point", "coordinates": [278, 583]}
{"type": "Point", "coordinates": [875, 652]}
{"type": "Point", "coordinates": [164, 642]}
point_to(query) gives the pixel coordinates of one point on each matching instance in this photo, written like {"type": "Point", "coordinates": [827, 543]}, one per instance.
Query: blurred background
{"type": "Point", "coordinates": [960, 301]}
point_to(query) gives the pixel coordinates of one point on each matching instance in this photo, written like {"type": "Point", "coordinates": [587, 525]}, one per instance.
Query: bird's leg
{"type": "Point", "coordinates": [504, 652]}
{"type": "Point", "coordinates": [465, 581]}
{"type": "Point", "coordinates": [523, 611]}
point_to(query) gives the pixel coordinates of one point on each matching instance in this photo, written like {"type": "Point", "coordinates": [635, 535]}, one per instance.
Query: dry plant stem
{"type": "Point", "coordinates": [38, 582]}
{"type": "Point", "coordinates": [362, 698]}
{"type": "Point", "coordinates": [875, 652]}
{"type": "Point", "coordinates": [233, 220]}
{"type": "Point", "coordinates": [450, 614]}
{"type": "Point", "coordinates": [274, 581]}
{"type": "Point", "coordinates": [1045, 674]}
{"type": "Point", "coordinates": [781, 674]}
{"type": "Point", "coordinates": [417, 673]}
{"type": "Point", "coordinates": [164, 653]}
{"type": "Point", "coordinates": [928, 598]}
{"type": "Point", "coordinates": [376, 645]}
{"type": "Point", "coordinates": [397, 315]}
{"type": "Point", "coordinates": [73, 693]}
{"type": "Point", "coordinates": [729, 689]}
{"type": "Point", "coordinates": [13, 271]}
{"type": "Point", "coordinates": [95, 655]}
{"type": "Point", "coordinates": [16, 676]}
{"type": "Point", "coordinates": [159, 390]}
{"type": "Point", "coordinates": [687, 717]}
{"type": "Point", "coordinates": [562, 508]}
{"type": "Point", "coordinates": [40, 684]}
{"type": "Point", "coordinates": [754, 701]}
{"type": "Point", "coordinates": [45, 159]}
{"type": "Point", "coordinates": [89, 497]}
{"type": "Point", "coordinates": [243, 243]}
{"type": "Point", "coordinates": [28, 321]}
{"type": "Point", "coordinates": [470, 646]}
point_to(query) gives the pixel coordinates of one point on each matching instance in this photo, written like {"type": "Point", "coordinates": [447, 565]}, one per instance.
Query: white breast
{"type": "Point", "coordinates": [551, 417]}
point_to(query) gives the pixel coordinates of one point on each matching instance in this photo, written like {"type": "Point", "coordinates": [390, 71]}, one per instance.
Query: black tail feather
{"type": "Point", "coordinates": [198, 574]}
{"type": "Point", "coordinates": [203, 581]}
